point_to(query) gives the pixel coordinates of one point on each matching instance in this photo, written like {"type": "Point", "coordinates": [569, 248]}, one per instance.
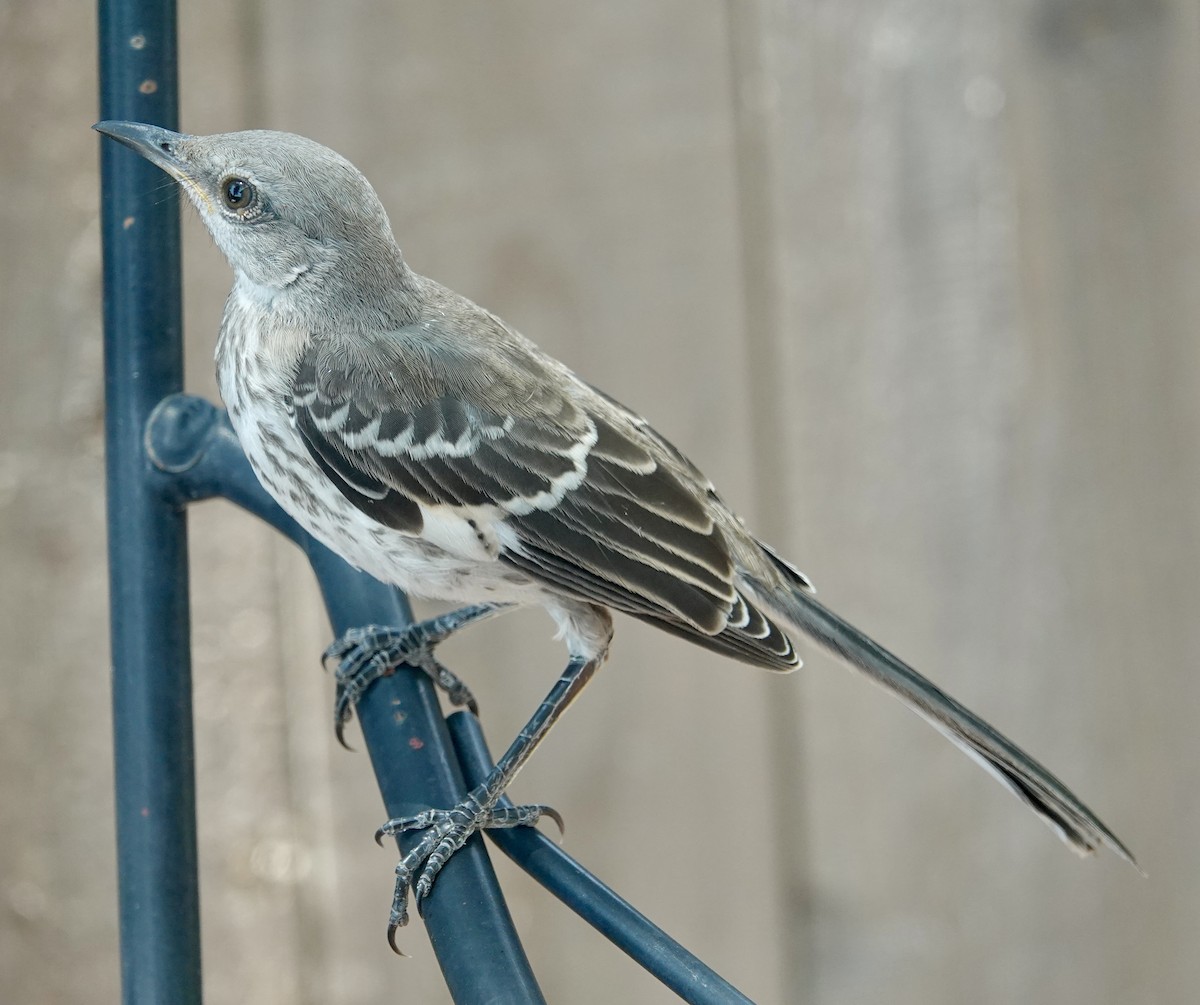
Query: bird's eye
{"type": "Point", "coordinates": [237, 193]}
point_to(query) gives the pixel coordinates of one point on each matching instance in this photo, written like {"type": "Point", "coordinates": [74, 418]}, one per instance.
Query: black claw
{"type": "Point", "coordinates": [340, 732]}
{"type": "Point", "coordinates": [553, 814]}
{"type": "Point", "coordinates": [469, 703]}
{"type": "Point", "coordinates": [380, 835]}
{"type": "Point", "coordinates": [333, 655]}
{"type": "Point", "coordinates": [392, 929]}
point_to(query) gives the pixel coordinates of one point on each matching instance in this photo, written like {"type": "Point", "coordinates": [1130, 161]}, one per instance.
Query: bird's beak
{"type": "Point", "coordinates": [159, 146]}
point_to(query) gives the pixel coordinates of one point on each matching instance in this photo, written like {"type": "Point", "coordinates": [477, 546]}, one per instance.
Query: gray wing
{"type": "Point", "coordinates": [597, 509]}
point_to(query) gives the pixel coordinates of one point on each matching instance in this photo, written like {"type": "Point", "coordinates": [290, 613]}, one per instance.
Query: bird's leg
{"type": "Point", "coordinates": [448, 830]}
{"type": "Point", "coordinates": [363, 655]}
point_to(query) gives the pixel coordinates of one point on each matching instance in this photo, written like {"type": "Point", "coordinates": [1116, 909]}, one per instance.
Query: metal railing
{"type": "Point", "coordinates": [166, 450]}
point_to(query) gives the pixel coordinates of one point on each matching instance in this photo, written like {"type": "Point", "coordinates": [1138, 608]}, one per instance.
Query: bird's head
{"type": "Point", "coordinates": [299, 224]}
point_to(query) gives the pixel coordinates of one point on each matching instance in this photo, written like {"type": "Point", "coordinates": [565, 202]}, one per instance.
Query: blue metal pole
{"type": "Point", "coordinates": [148, 584]}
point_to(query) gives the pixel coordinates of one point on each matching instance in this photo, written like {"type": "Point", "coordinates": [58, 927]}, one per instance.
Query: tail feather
{"type": "Point", "coordinates": [1048, 797]}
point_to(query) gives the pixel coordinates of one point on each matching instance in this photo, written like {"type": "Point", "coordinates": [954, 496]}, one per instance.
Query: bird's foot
{"type": "Point", "coordinates": [363, 655]}
{"type": "Point", "coordinates": [446, 831]}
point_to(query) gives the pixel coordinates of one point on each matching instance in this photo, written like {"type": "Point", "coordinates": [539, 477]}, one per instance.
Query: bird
{"type": "Point", "coordinates": [427, 442]}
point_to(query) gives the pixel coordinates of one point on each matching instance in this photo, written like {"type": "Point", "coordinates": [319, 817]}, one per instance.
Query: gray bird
{"type": "Point", "coordinates": [428, 443]}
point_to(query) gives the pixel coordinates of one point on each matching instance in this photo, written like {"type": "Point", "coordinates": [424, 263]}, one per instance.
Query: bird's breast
{"type": "Point", "coordinates": [452, 558]}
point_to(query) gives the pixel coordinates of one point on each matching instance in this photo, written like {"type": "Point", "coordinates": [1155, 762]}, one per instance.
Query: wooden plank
{"type": "Point", "coordinates": [56, 834]}
{"type": "Point", "coordinates": [988, 366]}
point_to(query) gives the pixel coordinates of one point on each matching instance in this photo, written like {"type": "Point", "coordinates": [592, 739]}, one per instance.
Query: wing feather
{"type": "Point", "coordinates": [597, 509]}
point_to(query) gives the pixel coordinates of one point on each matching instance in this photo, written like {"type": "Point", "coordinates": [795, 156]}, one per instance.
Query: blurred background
{"type": "Point", "coordinates": [915, 281]}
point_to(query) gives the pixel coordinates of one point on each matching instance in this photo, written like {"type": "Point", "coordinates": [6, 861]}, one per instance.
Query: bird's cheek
{"type": "Point", "coordinates": [225, 242]}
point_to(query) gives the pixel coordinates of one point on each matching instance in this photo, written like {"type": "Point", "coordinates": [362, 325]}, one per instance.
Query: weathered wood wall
{"type": "Point", "coordinates": [914, 281]}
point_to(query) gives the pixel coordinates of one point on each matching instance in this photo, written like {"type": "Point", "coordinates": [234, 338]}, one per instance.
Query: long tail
{"type": "Point", "coordinates": [1049, 798]}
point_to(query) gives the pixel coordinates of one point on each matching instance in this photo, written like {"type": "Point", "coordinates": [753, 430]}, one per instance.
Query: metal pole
{"type": "Point", "coordinates": [151, 672]}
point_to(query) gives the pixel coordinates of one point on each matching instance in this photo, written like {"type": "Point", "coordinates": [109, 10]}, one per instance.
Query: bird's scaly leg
{"type": "Point", "coordinates": [448, 830]}
{"type": "Point", "coordinates": [363, 655]}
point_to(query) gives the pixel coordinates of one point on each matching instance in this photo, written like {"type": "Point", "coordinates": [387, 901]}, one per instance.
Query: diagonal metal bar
{"type": "Point", "coordinates": [615, 918]}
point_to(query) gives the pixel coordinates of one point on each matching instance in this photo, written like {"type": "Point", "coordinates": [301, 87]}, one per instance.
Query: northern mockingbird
{"type": "Point", "coordinates": [427, 442]}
